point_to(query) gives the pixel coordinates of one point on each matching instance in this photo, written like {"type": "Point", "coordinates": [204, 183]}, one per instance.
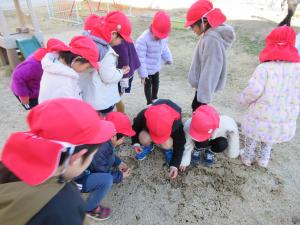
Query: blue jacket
{"type": "Point", "coordinates": [104, 161]}
{"type": "Point", "coordinates": [151, 52]}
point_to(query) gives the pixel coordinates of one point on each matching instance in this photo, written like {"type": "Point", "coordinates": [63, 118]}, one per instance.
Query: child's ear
{"type": "Point", "coordinates": [77, 156]}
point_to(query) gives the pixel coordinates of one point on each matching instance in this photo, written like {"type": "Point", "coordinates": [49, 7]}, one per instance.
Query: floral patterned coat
{"type": "Point", "coordinates": [273, 99]}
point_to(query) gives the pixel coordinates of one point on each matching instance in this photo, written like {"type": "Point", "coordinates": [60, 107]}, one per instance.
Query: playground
{"type": "Point", "coordinates": [228, 193]}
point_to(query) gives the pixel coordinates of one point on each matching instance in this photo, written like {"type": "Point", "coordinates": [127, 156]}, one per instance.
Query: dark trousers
{"type": "Point", "coordinates": [151, 87]}
{"type": "Point", "coordinates": [195, 103]}
{"type": "Point", "coordinates": [216, 145]}
{"type": "Point", "coordinates": [32, 102]}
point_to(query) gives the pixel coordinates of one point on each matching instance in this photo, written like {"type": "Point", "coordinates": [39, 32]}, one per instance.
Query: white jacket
{"type": "Point", "coordinates": [228, 129]}
{"type": "Point", "coordinates": [100, 88]}
{"type": "Point", "coordinates": [58, 80]}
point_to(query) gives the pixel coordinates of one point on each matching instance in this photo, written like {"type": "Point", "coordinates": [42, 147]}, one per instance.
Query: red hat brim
{"type": "Point", "coordinates": [126, 38]}
{"type": "Point", "coordinates": [127, 132]}
{"type": "Point", "coordinates": [158, 34]}
{"type": "Point", "coordinates": [105, 131]}
{"type": "Point", "coordinates": [161, 139]}
{"type": "Point", "coordinates": [199, 137]}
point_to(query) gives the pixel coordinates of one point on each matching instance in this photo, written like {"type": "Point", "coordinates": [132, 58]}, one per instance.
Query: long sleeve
{"type": "Point", "coordinates": [108, 71]}
{"type": "Point", "coordinates": [117, 176]}
{"type": "Point", "coordinates": [255, 87]}
{"type": "Point", "coordinates": [141, 49]}
{"type": "Point", "coordinates": [211, 69]}
{"type": "Point", "coordinates": [166, 53]}
{"type": "Point", "coordinates": [189, 145]}
{"type": "Point", "coordinates": [139, 124]}
{"type": "Point", "coordinates": [178, 146]}
{"type": "Point", "coordinates": [122, 51]}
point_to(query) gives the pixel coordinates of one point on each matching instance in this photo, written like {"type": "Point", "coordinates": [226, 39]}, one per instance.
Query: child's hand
{"type": "Point", "coordinates": [123, 167]}
{"type": "Point", "coordinates": [182, 168]}
{"type": "Point", "coordinates": [173, 172]}
{"type": "Point", "coordinates": [24, 100]}
{"type": "Point", "coordinates": [125, 69]}
{"type": "Point", "coordinates": [126, 173]}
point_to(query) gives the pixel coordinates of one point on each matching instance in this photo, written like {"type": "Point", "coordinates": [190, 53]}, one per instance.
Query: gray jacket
{"type": "Point", "coordinates": [208, 70]}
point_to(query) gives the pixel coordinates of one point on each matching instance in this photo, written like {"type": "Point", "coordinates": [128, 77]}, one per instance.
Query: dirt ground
{"type": "Point", "coordinates": [228, 193]}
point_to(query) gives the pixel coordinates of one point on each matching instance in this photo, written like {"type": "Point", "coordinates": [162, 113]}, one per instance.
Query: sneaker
{"type": "Point", "coordinates": [145, 152]}
{"type": "Point", "coordinates": [100, 213]}
{"type": "Point", "coordinates": [196, 156]}
{"type": "Point", "coordinates": [208, 158]}
{"type": "Point", "coordinates": [247, 156]}
{"type": "Point", "coordinates": [168, 155]}
{"type": "Point", "coordinates": [263, 157]}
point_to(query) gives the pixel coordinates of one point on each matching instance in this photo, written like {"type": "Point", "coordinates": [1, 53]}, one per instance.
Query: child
{"type": "Point", "coordinates": [216, 133]}
{"type": "Point", "coordinates": [26, 79]}
{"type": "Point", "coordinates": [152, 48]}
{"type": "Point", "coordinates": [106, 168]}
{"type": "Point", "coordinates": [100, 88]}
{"type": "Point", "coordinates": [37, 166]}
{"type": "Point", "coordinates": [160, 124]}
{"type": "Point", "coordinates": [127, 57]}
{"type": "Point", "coordinates": [208, 70]}
{"type": "Point", "coordinates": [60, 77]}
{"type": "Point", "coordinates": [272, 98]}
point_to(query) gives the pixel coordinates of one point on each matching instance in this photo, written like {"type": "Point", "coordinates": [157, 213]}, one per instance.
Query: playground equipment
{"type": "Point", "coordinates": [27, 38]}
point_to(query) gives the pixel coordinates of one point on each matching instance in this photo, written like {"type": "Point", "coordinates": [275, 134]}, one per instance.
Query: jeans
{"type": "Point", "coordinates": [151, 87]}
{"type": "Point", "coordinates": [98, 185]}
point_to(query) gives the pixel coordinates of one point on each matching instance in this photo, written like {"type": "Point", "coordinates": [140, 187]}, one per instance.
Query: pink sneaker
{"type": "Point", "coordinates": [100, 213]}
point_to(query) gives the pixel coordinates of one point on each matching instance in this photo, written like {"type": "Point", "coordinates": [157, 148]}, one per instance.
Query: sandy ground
{"type": "Point", "coordinates": [228, 193]}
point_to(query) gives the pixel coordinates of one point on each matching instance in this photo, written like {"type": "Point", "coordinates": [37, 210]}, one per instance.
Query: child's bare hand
{"type": "Point", "coordinates": [126, 69]}
{"type": "Point", "coordinates": [173, 172]}
{"type": "Point", "coordinates": [123, 167]}
{"type": "Point", "coordinates": [126, 173]}
{"type": "Point", "coordinates": [182, 168]}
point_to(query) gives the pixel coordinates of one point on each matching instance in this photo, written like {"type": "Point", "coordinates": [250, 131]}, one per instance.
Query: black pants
{"type": "Point", "coordinates": [32, 102]}
{"type": "Point", "coordinates": [217, 145]}
{"type": "Point", "coordinates": [195, 103]}
{"type": "Point", "coordinates": [151, 87]}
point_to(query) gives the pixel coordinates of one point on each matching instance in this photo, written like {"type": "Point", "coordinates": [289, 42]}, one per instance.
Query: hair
{"type": "Point", "coordinates": [6, 176]}
{"type": "Point", "coordinates": [199, 22]}
{"type": "Point", "coordinates": [69, 57]}
{"type": "Point", "coordinates": [119, 136]}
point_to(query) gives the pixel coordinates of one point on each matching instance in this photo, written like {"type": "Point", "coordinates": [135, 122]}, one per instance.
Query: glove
{"type": "Point", "coordinates": [124, 84]}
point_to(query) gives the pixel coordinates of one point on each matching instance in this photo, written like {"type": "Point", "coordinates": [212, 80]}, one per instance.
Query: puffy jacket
{"type": "Point", "coordinates": [100, 88]}
{"type": "Point", "coordinates": [151, 52]}
{"type": "Point", "coordinates": [58, 80]}
{"type": "Point", "coordinates": [26, 78]}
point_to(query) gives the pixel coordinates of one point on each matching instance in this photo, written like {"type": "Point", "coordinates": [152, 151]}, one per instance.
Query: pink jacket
{"type": "Point", "coordinates": [273, 99]}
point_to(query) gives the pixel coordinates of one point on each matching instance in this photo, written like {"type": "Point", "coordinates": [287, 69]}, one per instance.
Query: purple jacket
{"type": "Point", "coordinates": [26, 78]}
{"type": "Point", "coordinates": [127, 57]}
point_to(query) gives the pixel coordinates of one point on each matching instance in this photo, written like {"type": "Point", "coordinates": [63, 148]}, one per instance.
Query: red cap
{"type": "Point", "coordinates": [34, 156]}
{"type": "Point", "coordinates": [113, 21]}
{"type": "Point", "coordinates": [205, 121]}
{"type": "Point", "coordinates": [122, 123]}
{"type": "Point", "coordinates": [91, 21]}
{"type": "Point", "coordinates": [161, 25]}
{"type": "Point", "coordinates": [87, 48]}
{"type": "Point", "coordinates": [159, 120]}
{"type": "Point", "coordinates": [52, 44]}
{"type": "Point", "coordinates": [280, 45]}
{"type": "Point", "coordinates": [204, 9]}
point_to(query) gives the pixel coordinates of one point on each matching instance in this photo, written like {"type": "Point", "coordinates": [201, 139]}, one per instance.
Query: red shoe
{"type": "Point", "coordinates": [100, 213]}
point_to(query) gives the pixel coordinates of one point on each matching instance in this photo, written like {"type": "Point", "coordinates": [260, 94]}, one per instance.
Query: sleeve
{"type": "Point", "coordinates": [139, 124]}
{"type": "Point", "coordinates": [255, 87]}
{"type": "Point", "coordinates": [141, 49]}
{"type": "Point", "coordinates": [117, 161]}
{"type": "Point", "coordinates": [211, 68]}
{"type": "Point", "coordinates": [188, 147]}
{"type": "Point", "coordinates": [101, 162]}
{"type": "Point", "coordinates": [20, 79]}
{"type": "Point", "coordinates": [108, 72]}
{"type": "Point", "coordinates": [117, 176]}
{"type": "Point", "coordinates": [166, 53]}
{"type": "Point", "coordinates": [178, 146]}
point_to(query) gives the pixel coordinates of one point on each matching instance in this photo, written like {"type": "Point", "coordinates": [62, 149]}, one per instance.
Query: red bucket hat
{"type": "Point", "coordinates": [204, 9]}
{"type": "Point", "coordinates": [51, 45]}
{"type": "Point", "coordinates": [122, 123]}
{"type": "Point", "coordinates": [113, 21]}
{"type": "Point", "coordinates": [161, 24]}
{"type": "Point", "coordinates": [159, 120]}
{"type": "Point", "coordinates": [91, 21]}
{"type": "Point", "coordinates": [55, 124]}
{"type": "Point", "coordinates": [280, 45]}
{"type": "Point", "coordinates": [205, 121]}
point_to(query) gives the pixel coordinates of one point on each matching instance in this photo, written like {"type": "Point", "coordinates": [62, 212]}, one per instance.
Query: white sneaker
{"type": "Point", "coordinates": [247, 156]}
{"type": "Point", "coordinates": [263, 157]}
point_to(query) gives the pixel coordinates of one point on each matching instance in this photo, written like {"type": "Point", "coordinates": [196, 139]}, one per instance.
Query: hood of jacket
{"type": "Point", "coordinates": [53, 66]}
{"type": "Point", "coordinates": [224, 33]}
